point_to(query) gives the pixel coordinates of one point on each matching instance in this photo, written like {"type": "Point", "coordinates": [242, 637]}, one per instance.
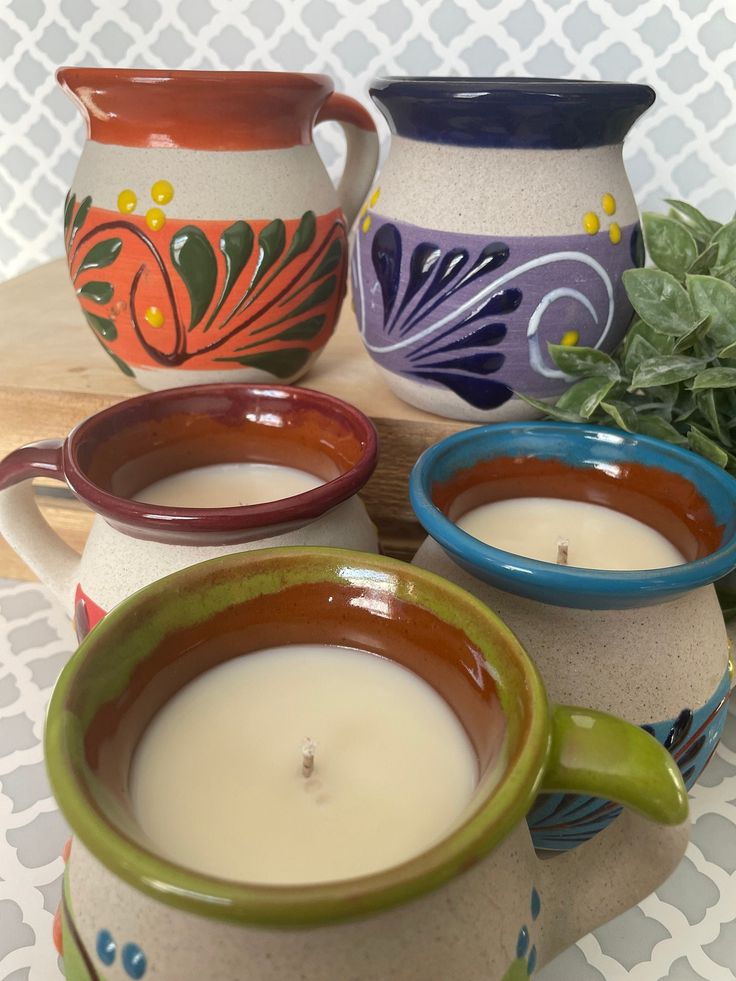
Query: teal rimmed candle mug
{"type": "Point", "coordinates": [427, 917]}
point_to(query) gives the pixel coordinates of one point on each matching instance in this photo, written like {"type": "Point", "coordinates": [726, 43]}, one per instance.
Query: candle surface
{"type": "Point", "coordinates": [227, 485]}
{"type": "Point", "coordinates": [218, 784]}
{"type": "Point", "coordinates": [597, 537]}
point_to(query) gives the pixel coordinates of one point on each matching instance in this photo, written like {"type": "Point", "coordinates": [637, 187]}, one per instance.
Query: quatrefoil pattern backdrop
{"type": "Point", "coordinates": [685, 147]}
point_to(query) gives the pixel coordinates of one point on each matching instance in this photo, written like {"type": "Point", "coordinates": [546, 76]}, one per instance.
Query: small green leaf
{"type": "Point", "coordinates": [728, 352]}
{"type": "Point", "coordinates": [236, 245]}
{"type": "Point", "coordinates": [670, 245]}
{"type": "Point", "coordinates": [725, 239]}
{"type": "Point", "coordinates": [319, 295]}
{"type": "Point", "coordinates": [101, 325]}
{"type": "Point", "coordinates": [660, 300]}
{"type": "Point", "coordinates": [71, 200]}
{"type": "Point", "coordinates": [194, 260]}
{"type": "Point", "coordinates": [102, 254]}
{"type": "Point", "coordinates": [638, 349]}
{"type": "Point", "coordinates": [727, 273]}
{"type": "Point", "coordinates": [623, 415]}
{"type": "Point", "coordinates": [662, 343]}
{"type": "Point", "coordinates": [303, 237]}
{"type": "Point", "coordinates": [700, 226]}
{"type": "Point", "coordinates": [715, 378]}
{"type": "Point", "coordinates": [550, 410]}
{"type": "Point", "coordinates": [706, 447]}
{"type": "Point", "coordinates": [271, 241]}
{"type": "Point", "coordinates": [97, 290]}
{"type": "Point", "coordinates": [704, 261]}
{"type": "Point", "coordinates": [80, 218]}
{"type": "Point", "coordinates": [664, 370]}
{"type": "Point", "coordinates": [716, 300]}
{"type": "Point", "coordinates": [284, 363]}
{"type": "Point", "coordinates": [328, 262]}
{"type": "Point", "coordinates": [585, 396]}
{"type": "Point", "coordinates": [584, 362]}
{"type": "Point", "coordinates": [305, 330]}
{"type": "Point", "coordinates": [660, 428]}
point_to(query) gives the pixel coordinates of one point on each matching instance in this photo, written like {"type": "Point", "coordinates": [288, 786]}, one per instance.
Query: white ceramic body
{"type": "Point", "coordinates": [469, 929]}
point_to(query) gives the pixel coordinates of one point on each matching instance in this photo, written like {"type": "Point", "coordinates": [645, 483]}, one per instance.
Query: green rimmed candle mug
{"type": "Point", "coordinates": [425, 918]}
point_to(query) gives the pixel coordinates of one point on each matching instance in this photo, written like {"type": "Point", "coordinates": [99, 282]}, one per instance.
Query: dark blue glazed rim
{"type": "Point", "coordinates": [576, 446]}
{"type": "Point", "coordinates": [514, 113]}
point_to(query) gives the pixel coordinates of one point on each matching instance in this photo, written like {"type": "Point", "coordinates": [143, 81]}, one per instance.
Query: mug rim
{"type": "Point", "coordinates": [485, 825]}
{"type": "Point", "coordinates": [571, 586]}
{"type": "Point", "coordinates": [178, 521]}
{"type": "Point", "coordinates": [72, 74]}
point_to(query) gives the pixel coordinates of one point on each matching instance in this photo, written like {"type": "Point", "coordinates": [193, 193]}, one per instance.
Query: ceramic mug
{"type": "Point", "coordinates": [107, 459]}
{"type": "Point", "coordinates": [204, 237]}
{"type": "Point", "coordinates": [503, 220]}
{"type": "Point", "coordinates": [648, 645]}
{"type": "Point", "coordinates": [476, 905]}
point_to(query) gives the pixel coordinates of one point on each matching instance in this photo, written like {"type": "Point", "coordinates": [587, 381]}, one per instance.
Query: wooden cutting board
{"type": "Point", "coordinates": [53, 374]}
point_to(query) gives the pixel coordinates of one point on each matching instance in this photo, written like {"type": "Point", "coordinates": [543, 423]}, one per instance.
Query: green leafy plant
{"type": "Point", "coordinates": [674, 375]}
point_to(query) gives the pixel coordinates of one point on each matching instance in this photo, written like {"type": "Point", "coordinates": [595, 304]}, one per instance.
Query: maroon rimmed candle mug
{"type": "Point", "coordinates": [110, 457]}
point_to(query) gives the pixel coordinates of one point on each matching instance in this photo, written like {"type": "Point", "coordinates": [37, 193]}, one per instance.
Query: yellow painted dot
{"type": "Point", "coordinates": [375, 196]}
{"type": "Point", "coordinates": [366, 223]}
{"type": "Point", "coordinates": [162, 192]}
{"type": "Point", "coordinates": [364, 210]}
{"type": "Point", "coordinates": [127, 201]}
{"type": "Point", "coordinates": [608, 203]}
{"type": "Point", "coordinates": [155, 219]}
{"type": "Point", "coordinates": [570, 338]}
{"type": "Point", "coordinates": [614, 233]}
{"type": "Point", "coordinates": [591, 223]}
{"type": "Point", "coordinates": [154, 317]}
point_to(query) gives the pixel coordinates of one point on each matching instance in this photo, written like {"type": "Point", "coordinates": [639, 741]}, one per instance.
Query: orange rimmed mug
{"type": "Point", "coordinates": [204, 237]}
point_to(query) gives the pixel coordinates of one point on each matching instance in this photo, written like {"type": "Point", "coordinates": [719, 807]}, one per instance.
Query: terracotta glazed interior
{"type": "Point", "coordinates": [148, 439]}
{"type": "Point", "coordinates": [355, 615]}
{"type": "Point", "coordinates": [664, 500]}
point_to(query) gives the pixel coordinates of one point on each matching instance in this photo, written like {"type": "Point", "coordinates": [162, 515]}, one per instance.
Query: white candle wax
{"type": "Point", "coordinates": [218, 783]}
{"type": "Point", "coordinates": [597, 537]}
{"type": "Point", "coordinates": [227, 485]}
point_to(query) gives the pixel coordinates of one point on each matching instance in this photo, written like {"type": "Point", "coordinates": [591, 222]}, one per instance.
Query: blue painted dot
{"type": "Point", "coordinates": [532, 962]}
{"type": "Point", "coordinates": [522, 944]}
{"type": "Point", "coordinates": [536, 904]}
{"type": "Point", "coordinates": [106, 947]}
{"type": "Point", "coordinates": [134, 961]}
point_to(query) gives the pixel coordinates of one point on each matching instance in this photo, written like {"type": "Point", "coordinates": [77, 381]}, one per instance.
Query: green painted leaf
{"type": "Point", "coordinates": [80, 217]}
{"type": "Point", "coordinates": [101, 325]}
{"type": "Point", "coordinates": [585, 396]}
{"type": "Point", "coordinates": [550, 410]}
{"type": "Point", "coordinates": [305, 330]}
{"type": "Point", "coordinates": [716, 300]}
{"type": "Point", "coordinates": [700, 226]}
{"type": "Point", "coordinates": [670, 244]}
{"type": "Point", "coordinates": [329, 261]}
{"type": "Point", "coordinates": [303, 237]}
{"type": "Point", "coordinates": [660, 301]}
{"type": "Point", "coordinates": [665, 370]}
{"type": "Point", "coordinates": [725, 239]}
{"type": "Point", "coordinates": [236, 244]}
{"type": "Point", "coordinates": [660, 428]}
{"type": "Point", "coordinates": [194, 260]}
{"type": "Point", "coordinates": [71, 200]}
{"type": "Point", "coordinates": [319, 295]}
{"type": "Point", "coordinates": [623, 415]}
{"type": "Point", "coordinates": [715, 378]}
{"type": "Point", "coordinates": [706, 447]}
{"type": "Point", "coordinates": [284, 363]}
{"type": "Point", "coordinates": [704, 261]}
{"type": "Point", "coordinates": [97, 290]}
{"type": "Point", "coordinates": [102, 254]}
{"type": "Point", "coordinates": [584, 362]}
{"type": "Point", "coordinates": [271, 241]}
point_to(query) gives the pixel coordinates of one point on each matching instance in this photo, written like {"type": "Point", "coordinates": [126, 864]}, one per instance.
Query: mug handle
{"type": "Point", "coordinates": [362, 150]}
{"type": "Point", "coordinates": [23, 526]}
{"type": "Point", "coordinates": [600, 755]}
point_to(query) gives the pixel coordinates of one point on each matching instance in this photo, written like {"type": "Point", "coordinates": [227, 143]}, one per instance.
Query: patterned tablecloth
{"type": "Point", "coordinates": [685, 931]}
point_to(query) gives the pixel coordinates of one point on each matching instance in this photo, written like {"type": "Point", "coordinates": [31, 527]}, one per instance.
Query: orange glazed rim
{"type": "Point", "coordinates": [197, 109]}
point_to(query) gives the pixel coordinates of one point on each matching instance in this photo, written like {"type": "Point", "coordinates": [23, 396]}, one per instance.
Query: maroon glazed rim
{"type": "Point", "coordinates": [117, 452]}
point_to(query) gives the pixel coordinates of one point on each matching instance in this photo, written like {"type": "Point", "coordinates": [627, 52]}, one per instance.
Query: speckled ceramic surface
{"type": "Point", "coordinates": [502, 219]}
{"type": "Point", "coordinates": [204, 237]}
{"type": "Point", "coordinates": [683, 932]}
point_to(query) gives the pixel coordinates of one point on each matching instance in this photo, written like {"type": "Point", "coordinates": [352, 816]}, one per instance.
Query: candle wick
{"type": "Point", "coordinates": [308, 749]}
{"type": "Point", "coordinates": [563, 545]}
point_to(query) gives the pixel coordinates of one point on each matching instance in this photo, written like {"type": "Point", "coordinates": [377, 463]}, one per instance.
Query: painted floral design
{"type": "Point", "coordinates": [561, 821]}
{"type": "Point", "coordinates": [159, 291]}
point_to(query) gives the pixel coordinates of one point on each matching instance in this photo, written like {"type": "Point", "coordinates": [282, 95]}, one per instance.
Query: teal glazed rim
{"type": "Point", "coordinates": [689, 497]}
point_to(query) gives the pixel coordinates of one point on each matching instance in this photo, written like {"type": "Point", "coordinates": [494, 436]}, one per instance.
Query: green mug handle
{"type": "Point", "coordinates": [600, 755]}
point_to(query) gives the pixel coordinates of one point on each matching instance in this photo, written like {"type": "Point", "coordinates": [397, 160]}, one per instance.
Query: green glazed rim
{"type": "Point", "coordinates": [104, 662]}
